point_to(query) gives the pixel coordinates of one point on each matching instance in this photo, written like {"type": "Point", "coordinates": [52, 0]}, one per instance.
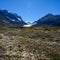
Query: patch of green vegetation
{"type": "Point", "coordinates": [1, 37]}
{"type": "Point", "coordinates": [0, 46]}
{"type": "Point", "coordinates": [55, 57]}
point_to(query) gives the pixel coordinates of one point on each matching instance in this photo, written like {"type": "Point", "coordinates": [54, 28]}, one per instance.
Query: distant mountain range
{"type": "Point", "coordinates": [10, 19]}
{"type": "Point", "coordinates": [14, 20]}
{"type": "Point", "coordinates": [48, 20]}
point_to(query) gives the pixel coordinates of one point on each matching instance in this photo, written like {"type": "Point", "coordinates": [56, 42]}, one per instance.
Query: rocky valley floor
{"type": "Point", "coordinates": [29, 43]}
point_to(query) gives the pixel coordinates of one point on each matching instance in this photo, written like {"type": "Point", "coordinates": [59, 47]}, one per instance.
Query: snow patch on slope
{"type": "Point", "coordinates": [10, 18]}
{"type": "Point", "coordinates": [27, 25]}
{"type": "Point", "coordinates": [19, 19]}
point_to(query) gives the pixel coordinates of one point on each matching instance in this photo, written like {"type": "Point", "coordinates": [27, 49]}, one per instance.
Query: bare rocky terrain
{"type": "Point", "coordinates": [39, 43]}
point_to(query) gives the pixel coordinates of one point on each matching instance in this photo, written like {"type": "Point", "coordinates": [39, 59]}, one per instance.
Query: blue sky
{"type": "Point", "coordinates": [31, 10]}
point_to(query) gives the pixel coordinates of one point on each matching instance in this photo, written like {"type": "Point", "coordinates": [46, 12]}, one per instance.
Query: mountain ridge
{"type": "Point", "coordinates": [13, 20]}
{"type": "Point", "coordinates": [10, 19]}
{"type": "Point", "coordinates": [48, 20]}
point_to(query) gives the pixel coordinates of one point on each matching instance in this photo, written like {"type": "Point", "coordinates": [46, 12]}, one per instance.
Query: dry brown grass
{"type": "Point", "coordinates": [30, 43]}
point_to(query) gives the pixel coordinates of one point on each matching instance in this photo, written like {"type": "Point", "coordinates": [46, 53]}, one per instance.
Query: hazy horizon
{"type": "Point", "coordinates": [31, 10]}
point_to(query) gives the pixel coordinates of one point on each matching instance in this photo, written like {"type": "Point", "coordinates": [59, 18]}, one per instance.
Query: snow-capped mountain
{"type": "Point", "coordinates": [10, 19]}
